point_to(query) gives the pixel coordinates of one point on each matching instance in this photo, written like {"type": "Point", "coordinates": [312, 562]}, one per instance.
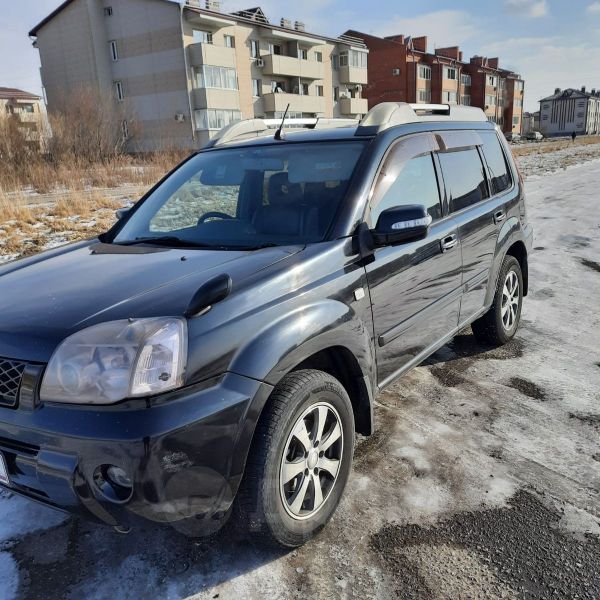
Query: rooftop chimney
{"type": "Point", "coordinates": [420, 43]}
{"type": "Point", "coordinates": [583, 88]}
{"type": "Point", "coordinates": [213, 5]}
{"type": "Point", "coordinates": [286, 23]}
{"type": "Point", "coordinates": [557, 90]}
{"type": "Point", "coordinates": [300, 26]}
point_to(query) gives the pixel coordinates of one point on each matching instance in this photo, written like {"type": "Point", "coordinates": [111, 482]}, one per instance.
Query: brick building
{"type": "Point", "coordinates": [402, 70]}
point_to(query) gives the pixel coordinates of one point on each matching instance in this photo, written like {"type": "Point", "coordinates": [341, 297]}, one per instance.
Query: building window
{"type": "Point", "coordinates": [254, 49]}
{"type": "Point", "coordinates": [465, 79]}
{"type": "Point", "coordinates": [519, 86]}
{"type": "Point", "coordinates": [336, 94]}
{"type": "Point", "coordinates": [502, 83]}
{"type": "Point", "coordinates": [490, 100]}
{"type": "Point", "coordinates": [320, 90]}
{"type": "Point", "coordinates": [449, 97]}
{"type": "Point", "coordinates": [491, 80]}
{"type": "Point", "coordinates": [213, 118]}
{"type": "Point", "coordinates": [449, 73]}
{"type": "Point", "coordinates": [353, 58]}
{"type": "Point", "coordinates": [125, 130]}
{"type": "Point", "coordinates": [275, 49]}
{"type": "Point", "coordinates": [335, 62]}
{"type": "Point", "coordinates": [215, 77]}
{"type": "Point", "coordinates": [114, 52]}
{"type": "Point", "coordinates": [229, 41]}
{"type": "Point", "coordinates": [302, 89]}
{"type": "Point", "coordinates": [424, 72]}
{"type": "Point", "coordinates": [424, 96]}
{"type": "Point", "coordinates": [395, 72]}
{"type": "Point", "coordinates": [278, 87]}
{"type": "Point", "coordinates": [515, 120]}
{"type": "Point", "coordinates": [518, 102]}
{"type": "Point", "coordinates": [466, 100]}
{"type": "Point", "coordinates": [119, 90]}
{"type": "Point", "coordinates": [256, 86]}
{"type": "Point", "coordinates": [202, 37]}
{"type": "Point", "coordinates": [303, 53]}
{"type": "Point", "coordinates": [319, 57]}
{"type": "Point", "coordinates": [108, 11]}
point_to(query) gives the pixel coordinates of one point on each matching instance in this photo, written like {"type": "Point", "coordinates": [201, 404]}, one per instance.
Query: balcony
{"type": "Point", "coordinates": [277, 102]}
{"type": "Point", "coordinates": [215, 98]}
{"type": "Point", "coordinates": [209, 54]}
{"type": "Point", "coordinates": [289, 66]}
{"type": "Point", "coordinates": [354, 106]}
{"type": "Point", "coordinates": [350, 74]}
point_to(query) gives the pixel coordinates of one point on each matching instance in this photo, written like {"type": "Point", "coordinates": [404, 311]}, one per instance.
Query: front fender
{"type": "Point", "coordinates": [296, 336]}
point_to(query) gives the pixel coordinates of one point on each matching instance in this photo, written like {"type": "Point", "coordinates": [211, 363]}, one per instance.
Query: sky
{"type": "Point", "coordinates": [551, 43]}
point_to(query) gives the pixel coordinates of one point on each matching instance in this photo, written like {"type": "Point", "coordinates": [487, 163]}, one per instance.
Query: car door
{"type": "Point", "coordinates": [415, 287]}
{"type": "Point", "coordinates": [479, 206]}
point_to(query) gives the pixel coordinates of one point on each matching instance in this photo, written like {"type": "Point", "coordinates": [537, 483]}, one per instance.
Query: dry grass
{"type": "Point", "coordinates": [550, 145]}
{"type": "Point", "coordinates": [27, 229]}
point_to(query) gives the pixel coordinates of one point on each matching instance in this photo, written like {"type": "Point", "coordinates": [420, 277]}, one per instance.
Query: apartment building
{"type": "Point", "coordinates": [28, 110]}
{"type": "Point", "coordinates": [570, 110]}
{"type": "Point", "coordinates": [187, 69]}
{"type": "Point", "coordinates": [402, 70]}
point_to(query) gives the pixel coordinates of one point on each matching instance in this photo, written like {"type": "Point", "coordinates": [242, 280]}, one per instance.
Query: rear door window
{"type": "Point", "coordinates": [496, 161]}
{"type": "Point", "coordinates": [465, 178]}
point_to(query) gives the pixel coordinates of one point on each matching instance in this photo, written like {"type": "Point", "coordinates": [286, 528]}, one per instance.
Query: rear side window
{"type": "Point", "coordinates": [496, 162]}
{"type": "Point", "coordinates": [464, 177]}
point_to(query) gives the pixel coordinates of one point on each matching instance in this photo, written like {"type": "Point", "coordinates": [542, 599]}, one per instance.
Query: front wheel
{"type": "Point", "coordinates": [499, 325]}
{"type": "Point", "coordinates": [300, 459]}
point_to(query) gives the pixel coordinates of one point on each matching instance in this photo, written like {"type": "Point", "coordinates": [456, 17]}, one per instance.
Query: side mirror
{"type": "Point", "coordinates": [401, 224]}
{"type": "Point", "coordinates": [122, 213]}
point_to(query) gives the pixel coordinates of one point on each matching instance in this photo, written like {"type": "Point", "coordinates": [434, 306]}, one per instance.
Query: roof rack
{"type": "Point", "coordinates": [259, 127]}
{"type": "Point", "coordinates": [389, 114]}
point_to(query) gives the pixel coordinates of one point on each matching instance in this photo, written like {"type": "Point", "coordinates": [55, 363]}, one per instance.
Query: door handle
{"type": "Point", "coordinates": [448, 242]}
{"type": "Point", "coordinates": [499, 216]}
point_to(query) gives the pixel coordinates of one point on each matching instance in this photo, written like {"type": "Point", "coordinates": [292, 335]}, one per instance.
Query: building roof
{"type": "Point", "coordinates": [567, 94]}
{"type": "Point", "coordinates": [15, 94]}
{"type": "Point", "coordinates": [49, 18]}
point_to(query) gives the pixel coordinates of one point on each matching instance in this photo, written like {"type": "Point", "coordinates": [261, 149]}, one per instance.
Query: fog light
{"type": "Point", "coordinates": [113, 483]}
{"type": "Point", "coordinates": [117, 476]}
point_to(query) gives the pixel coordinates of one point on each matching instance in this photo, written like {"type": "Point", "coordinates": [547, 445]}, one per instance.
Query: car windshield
{"type": "Point", "coordinates": [248, 197]}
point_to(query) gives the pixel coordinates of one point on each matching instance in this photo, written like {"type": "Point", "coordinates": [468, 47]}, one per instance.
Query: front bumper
{"type": "Point", "coordinates": [184, 452]}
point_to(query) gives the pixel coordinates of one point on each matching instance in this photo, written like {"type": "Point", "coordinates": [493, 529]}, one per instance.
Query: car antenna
{"type": "Point", "coordinates": [279, 132]}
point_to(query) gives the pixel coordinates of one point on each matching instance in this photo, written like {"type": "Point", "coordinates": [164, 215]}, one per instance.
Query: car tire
{"type": "Point", "coordinates": [304, 406]}
{"type": "Point", "coordinates": [499, 325]}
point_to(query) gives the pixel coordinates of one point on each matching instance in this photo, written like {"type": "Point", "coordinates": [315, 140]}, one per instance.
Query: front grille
{"type": "Point", "coordinates": [11, 374]}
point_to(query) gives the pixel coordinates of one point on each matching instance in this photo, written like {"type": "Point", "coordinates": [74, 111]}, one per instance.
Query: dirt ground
{"type": "Point", "coordinates": [482, 481]}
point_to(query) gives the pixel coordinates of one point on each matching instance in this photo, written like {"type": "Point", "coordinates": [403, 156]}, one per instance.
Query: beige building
{"type": "Point", "coordinates": [186, 70]}
{"type": "Point", "coordinates": [28, 110]}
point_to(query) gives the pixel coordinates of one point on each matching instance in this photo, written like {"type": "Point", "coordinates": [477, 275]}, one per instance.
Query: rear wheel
{"type": "Point", "coordinates": [300, 459]}
{"type": "Point", "coordinates": [499, 325]}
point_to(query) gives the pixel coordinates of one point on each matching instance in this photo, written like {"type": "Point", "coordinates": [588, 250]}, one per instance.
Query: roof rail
{"type": "Point", "coordinates": [258, 127]}
{"type": "Point", "coordinates": [389, 114]}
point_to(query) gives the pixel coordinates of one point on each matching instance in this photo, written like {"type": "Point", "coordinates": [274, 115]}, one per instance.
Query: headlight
{"type": "Point", "coordinates": [120, 359]}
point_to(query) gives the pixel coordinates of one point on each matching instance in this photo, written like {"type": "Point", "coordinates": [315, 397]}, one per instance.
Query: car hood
{"type": "Point", "coordinates": [48, 297]}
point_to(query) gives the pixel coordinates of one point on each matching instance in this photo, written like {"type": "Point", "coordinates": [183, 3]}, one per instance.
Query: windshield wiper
{"type": "Point", "coordinates": [165, 240]}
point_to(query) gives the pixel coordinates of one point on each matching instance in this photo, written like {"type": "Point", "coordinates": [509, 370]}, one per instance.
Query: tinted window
{"type": "Point", "coordinates": [496, 162]}
{"type": "Point", "coordinates": [464, 178]}
{"type": "Point", "coordinates": [408, 177]}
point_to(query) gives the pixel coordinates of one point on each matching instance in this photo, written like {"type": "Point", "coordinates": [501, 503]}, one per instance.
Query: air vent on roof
{"type": "Point", "coordinates": [286, 23]}
{"type": "Point", "coordinates": [213, 5]}
{"type": "Point", "coordinates": [300, 26]}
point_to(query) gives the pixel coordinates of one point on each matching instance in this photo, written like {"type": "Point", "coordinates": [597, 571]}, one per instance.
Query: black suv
{"type": "Point", "coordinates": [225, 339]}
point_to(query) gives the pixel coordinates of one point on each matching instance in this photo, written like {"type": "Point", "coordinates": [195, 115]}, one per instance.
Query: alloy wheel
{"type": "Point", "coordinates": [510, 301]}
{"type": "Point", "coordinates": [311, 461]}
